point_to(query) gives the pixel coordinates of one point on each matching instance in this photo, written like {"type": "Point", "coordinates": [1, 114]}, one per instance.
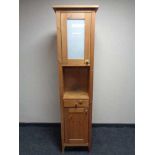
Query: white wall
{"type": "Point", "coordinates": [114, 62]}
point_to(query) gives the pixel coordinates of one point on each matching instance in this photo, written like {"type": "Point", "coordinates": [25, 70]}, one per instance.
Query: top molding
{"type": "Point", "coordinates": [75, 7]}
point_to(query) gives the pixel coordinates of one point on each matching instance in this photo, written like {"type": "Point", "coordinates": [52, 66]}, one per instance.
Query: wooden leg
{"type": "Point", "coordinates": [89, 148]}
{"type": "Point", "coordinates": [62, 148]}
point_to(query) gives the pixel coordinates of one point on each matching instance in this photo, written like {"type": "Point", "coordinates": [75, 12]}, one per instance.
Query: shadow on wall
{"type": "Point", "coordinates": [55, 112]}
{"type": "Point", "coordinates": [51, 48]}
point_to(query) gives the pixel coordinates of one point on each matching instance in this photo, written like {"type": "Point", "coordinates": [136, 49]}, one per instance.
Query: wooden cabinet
{"type": "Point", "coordinates": [76, 126]}
{"type": "Point", "coordinates": [75, 53]}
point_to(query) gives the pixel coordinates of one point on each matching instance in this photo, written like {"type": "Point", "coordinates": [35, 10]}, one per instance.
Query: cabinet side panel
{"type": "Point", "coordinates": [59, 53]}
{"type": "Point", "coordinates": [87, 35]}
{"type": "Point", "coordinates": [91, 75]}
{"type": "Point", "coordinates": [60, 73]}
{"type": "Point", "coordinates": [64, 38]}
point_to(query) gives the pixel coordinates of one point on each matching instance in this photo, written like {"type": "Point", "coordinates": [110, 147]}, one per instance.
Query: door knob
{"type": "Point", "coordinates": [87, 61]}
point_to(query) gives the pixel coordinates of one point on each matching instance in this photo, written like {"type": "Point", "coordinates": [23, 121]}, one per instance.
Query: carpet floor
{"type": "Point", "coordinates": [106, 140]}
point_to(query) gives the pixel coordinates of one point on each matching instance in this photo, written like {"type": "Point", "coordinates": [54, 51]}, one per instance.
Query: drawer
{"type": "Point", "coordinates": [76, 103]}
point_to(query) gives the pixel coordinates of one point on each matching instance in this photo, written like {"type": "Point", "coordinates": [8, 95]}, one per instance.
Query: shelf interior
{"type": "Point", "coordinates": [76, 82]}
{"type": "Point", "coordinates": [75, 95]}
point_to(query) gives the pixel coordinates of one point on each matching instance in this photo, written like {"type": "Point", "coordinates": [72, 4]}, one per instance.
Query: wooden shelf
{"type": "Point", "coordinates": [75, 95]}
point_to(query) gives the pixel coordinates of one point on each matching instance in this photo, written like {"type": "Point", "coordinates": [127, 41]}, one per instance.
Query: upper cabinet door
{"type": "Point", "coordinates": [75, 31]}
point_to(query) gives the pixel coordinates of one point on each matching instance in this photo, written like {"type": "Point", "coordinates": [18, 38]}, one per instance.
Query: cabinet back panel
{"type": "Point", "coordinates": [76, 78]}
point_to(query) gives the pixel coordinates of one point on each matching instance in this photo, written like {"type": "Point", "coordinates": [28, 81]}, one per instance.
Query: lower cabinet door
{"type": "Point", "coordinates": [76, 125]}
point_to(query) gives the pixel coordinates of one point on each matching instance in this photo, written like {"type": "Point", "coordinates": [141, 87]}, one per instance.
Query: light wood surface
{"type": "Point", "coordinates": [75, 77]}
{"type": "Point", "coordinates": [60, 73]}
{"type": "Point", "coordinates": [91, 75]}
{"type": "Point", "coordinates": [76, 103]}
{"type": "Point", "coordinates": [76, 125]}
{"type": "Point", "coordinates": [75, 95]}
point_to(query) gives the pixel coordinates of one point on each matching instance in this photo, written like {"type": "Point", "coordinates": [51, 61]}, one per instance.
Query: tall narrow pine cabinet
{"type": "Point", "coordinates": [75, 53]}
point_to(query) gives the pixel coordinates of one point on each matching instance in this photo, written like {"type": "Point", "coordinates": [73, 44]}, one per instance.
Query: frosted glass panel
{"type": "Point", "coordinates": [75, 38]}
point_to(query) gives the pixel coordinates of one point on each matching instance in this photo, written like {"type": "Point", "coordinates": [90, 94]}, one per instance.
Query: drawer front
{"type": "Point", "coordinates": [76, 103]}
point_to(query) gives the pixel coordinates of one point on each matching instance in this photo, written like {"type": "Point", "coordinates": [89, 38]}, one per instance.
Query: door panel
{"type": "Point", "coordinates": [76, 125]}
{"type": "Point", "coordinates": [75, 28]}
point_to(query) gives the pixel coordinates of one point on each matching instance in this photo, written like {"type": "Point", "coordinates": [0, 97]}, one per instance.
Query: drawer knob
{"type": "Point", "coordinates": [80, 102]}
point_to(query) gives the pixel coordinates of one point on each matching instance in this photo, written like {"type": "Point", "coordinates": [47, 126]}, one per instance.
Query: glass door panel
{"type": "Point", "coordinates": [75, 31]}
{"type": "Point", "coordinates": [75, 38]}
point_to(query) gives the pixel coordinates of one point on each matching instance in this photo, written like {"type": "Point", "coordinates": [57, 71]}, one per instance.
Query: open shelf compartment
{"type": "Point", "coordinates": [76, 82]}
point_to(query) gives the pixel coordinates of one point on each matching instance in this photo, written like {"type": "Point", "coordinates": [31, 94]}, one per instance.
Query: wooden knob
{"type": "Point", "coordinates": [87, 61]}
{"type": "Point", "coordinates": [80, 102]}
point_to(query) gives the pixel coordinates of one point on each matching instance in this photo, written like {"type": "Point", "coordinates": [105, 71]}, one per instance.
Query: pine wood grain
{"type": "Point", "coordinates": [75, 77]}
